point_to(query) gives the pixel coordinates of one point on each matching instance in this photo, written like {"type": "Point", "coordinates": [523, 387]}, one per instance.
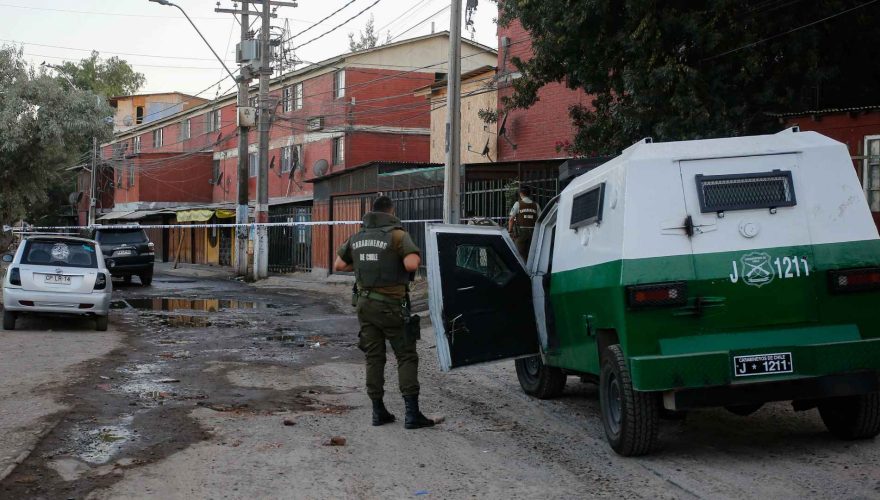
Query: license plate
{"type": "Point", "coordinates": [57, 279]}
{"type": "Point", "coordinates": [762, 364]}
{"type": "Point", "coordinates": [122, 253]}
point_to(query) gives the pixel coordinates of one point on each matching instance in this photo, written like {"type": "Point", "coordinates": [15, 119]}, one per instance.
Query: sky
{"type": "Point", "coordinates": [158, 41]}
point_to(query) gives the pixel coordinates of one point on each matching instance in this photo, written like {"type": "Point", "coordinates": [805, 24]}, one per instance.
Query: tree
{"type": "Point", "coordinates": [44, 127]}
{"type": "Point", "coordinates": [676, 69]}
{"type": "Point", "coordinates": [111, 77]}
{"type": "Point", "coordinates": [367, 39]}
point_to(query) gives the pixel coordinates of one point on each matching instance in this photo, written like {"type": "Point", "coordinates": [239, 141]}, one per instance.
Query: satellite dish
{"type": "Point", "coordinates": [321, 167]}
{"type": "Point", "coordinates": [127, 121]}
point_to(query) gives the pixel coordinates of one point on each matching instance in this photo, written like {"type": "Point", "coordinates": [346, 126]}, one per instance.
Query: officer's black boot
{"type": "Point", "coordinates": [414, 418]}
{"type": "Point", "coordinates": [381, 415]}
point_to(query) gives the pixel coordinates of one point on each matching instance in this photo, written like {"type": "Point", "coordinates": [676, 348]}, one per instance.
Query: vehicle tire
{"type": "Point", "coordinates": [538, 379]}
{"type": "Point", "coordinates": [147, 278]}
{"type": "Point", "coordinates": [127, 279]}
{"type": "Point", "coordinates": [631, 418]}
{"type": "Point", "coordinates": [9, 318]}
{"type": "Point", "coordinates": [744, 410]}
{"type": "Point", "coordinates": [852, 417]}
{"type": "Point", "coordinates": [101, 323]}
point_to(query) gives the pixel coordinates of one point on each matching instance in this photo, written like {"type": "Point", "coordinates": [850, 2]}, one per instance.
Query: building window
{"type": "Point", "coordinates": [298, 96]}
{"type": "Point", "coordinates": [286, 154]}
{"type": "Point", "coordinates": [158, 138]}
{"type": "Point", "coordinates": [339, 150]}
{"type": "Point", "coordinates": [214, 120]}
{"type": "Point", "coordinates": [871, 174]}
{"type": "Point", "coordinates": [186, 129]}
{"type": "Point", "coordinates": [215, 172]}
{"type": "Point", "coordinates": [339, 84]}
{"type": "Point", "coordinates": [136, 145]}
{"type": "Point", "coordinates": [139, 115]}
{"type": "Point", "coordinates": [252, 165]}
{"type": "Point", "coordinates": [287, 99]}
{"type": "Point", "coordinates": [130, 174]}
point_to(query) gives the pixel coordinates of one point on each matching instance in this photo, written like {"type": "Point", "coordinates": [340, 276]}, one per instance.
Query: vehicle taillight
{"type": "Point", "coordinates": [14, 276]}
{"type": "Point", "coordinates": [657, 294]}
{"type": "Point", "coordinates": [151, 246]}
{"type": "Point", "coordinates": [101, 281]}
{"type": "Point", "coordinates": [854, 280]}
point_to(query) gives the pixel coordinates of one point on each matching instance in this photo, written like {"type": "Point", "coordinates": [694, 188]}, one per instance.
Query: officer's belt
{"type": "Point", "coordinates": [369, 294]}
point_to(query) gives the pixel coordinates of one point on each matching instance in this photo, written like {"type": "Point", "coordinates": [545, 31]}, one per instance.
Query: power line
{"type": "Point", "coordinates": [819, 21]}
{"type": "Point", "coordinates": [322, 20]}
{"type": "Point", "coordinates": [108, 51]}
{"type": "Point", "coordinates": [407, 11]}
{"type": "Point", "coordinates": [331, 30]}
{"type": "Point", "coordinates": [130, 63]}
{"type": "Point", "coordinates": [119, 14]}
{"type": "Point", "coordinates": [419, 23]}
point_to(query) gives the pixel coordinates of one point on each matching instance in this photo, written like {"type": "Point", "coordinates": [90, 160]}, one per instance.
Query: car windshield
{"type": "Point", "coordinates": [65, 253]}
{"type": "Point", "coordinates": [119, 237]}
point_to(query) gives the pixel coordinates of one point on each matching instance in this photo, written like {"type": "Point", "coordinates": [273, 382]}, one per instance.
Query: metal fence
{"type": "Point", "coordinates": [290, 247]}
{"type": "Point", "coordinates": [424, 203]}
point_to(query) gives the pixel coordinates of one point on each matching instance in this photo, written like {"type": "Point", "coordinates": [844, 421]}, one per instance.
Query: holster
{"type": "Point", "coordinates": [354, 295]}
{"type": "Point", "coordinates": [412, 323]}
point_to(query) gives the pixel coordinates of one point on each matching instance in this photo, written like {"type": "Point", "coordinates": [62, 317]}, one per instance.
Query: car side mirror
{"type": "Point", "coordinates": [7, 257]}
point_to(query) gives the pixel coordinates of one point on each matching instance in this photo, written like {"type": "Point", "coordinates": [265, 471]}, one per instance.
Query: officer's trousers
{"type": "Point", "coordinates": [381, 321]}
{"type": "Point", "coordinates": [523, 241]}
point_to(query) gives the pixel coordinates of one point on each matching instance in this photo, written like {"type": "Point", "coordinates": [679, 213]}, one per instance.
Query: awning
{"type": "Point", "coordinates": [116, 215]}
{"type": "Point", "coordinates": [196, 215]}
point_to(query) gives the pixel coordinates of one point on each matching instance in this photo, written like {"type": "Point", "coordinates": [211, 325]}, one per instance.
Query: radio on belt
{"type": "Point", "coordinates": [724, 272]}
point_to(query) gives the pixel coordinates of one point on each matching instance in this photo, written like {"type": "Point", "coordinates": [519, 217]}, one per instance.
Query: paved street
{"type": "Point", "coordinates": [210, 388]}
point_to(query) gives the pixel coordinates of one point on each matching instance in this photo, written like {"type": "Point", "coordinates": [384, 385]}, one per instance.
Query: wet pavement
{"type": "Point", "coordinates": [182, 337]}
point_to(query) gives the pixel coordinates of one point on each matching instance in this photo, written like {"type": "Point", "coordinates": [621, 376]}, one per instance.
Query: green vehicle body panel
{"type": "Point", "coordinates": [676, 347]}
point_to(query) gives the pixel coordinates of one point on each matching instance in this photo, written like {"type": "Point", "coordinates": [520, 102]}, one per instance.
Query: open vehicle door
{"type": "Point", "coordinates": [480, 296]}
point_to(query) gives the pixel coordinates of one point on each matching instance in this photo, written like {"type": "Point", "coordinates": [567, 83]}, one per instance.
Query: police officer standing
{"type": "Point", "coordinates": [382, 256]}
{"type": "Point", "coordinates": [523, 216]}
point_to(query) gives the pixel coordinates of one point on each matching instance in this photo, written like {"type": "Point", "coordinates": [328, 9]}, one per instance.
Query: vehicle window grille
{"type": "Point", "coordinates": [719, 193]}
{"type": "Point", "coordinates": [586, 207]}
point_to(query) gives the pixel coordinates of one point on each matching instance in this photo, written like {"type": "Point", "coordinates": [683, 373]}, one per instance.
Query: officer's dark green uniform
{"type": "Point", "coordinates": [377, 253]}
{"type": "Point", "coordinates": [526, 217]}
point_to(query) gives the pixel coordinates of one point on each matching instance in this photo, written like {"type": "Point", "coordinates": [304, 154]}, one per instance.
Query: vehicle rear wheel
{"type": "Point", "coordinates": [9, 318]}
{"type": "Point", "coordinates": [744, 410]}
{"type": "Point", "coordinates": [852, 417]}
{"type": "Point", "coordinates": [147, 278]}
{"type": "Point", "coordinates": [127, 279]}
{"type": "Point", "coordinates": [631, 418]}
{"type": "Point", "coordinates": [101, 323]}
{"type": "Point", "coordinates": [538, 379]}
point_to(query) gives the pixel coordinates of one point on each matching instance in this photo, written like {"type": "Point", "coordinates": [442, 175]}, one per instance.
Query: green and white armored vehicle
{"type": "Point", "coordinates": [725, 272]}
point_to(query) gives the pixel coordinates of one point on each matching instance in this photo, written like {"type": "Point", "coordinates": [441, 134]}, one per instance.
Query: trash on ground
{"type": "Point", "coordinates": [336, 441]}
{"type": "Point", "coordinates": [288, 422]}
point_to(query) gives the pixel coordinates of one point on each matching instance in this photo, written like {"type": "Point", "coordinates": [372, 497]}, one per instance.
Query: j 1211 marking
{"type": "Point", "coordinates": [759, 269]}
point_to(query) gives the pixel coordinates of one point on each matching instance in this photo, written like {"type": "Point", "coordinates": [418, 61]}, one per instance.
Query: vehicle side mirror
{"type": "Point", "coordinates": [7, 257]}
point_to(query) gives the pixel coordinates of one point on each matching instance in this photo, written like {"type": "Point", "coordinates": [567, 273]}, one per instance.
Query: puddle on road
{"type": "Point", "coordinates": [177, 304]}
{"type": "Point", "coordinates": [98, 446]}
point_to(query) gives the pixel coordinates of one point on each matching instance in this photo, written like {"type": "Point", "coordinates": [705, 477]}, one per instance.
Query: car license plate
{"type": "Point", "coordinates": [762, 364]}
{"type": "Point", "coordinates": [122, 253]}
{"type": "Point", "coordinates": [57, 279]}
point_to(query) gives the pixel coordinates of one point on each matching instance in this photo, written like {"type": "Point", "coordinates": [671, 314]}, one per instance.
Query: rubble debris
{"type": "Point", "coordinates": [335, 441]}
{"type": "Point", "coordinates": [167, 381]}
{"type": "Point", "coordinates": [288, 422]}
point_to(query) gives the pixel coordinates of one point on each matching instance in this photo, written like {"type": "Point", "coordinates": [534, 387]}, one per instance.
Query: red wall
{"type": "Point", "coordinates": [536, 130]}
{"type": "Point", "coordinates": [166, 177]}
{"type": "Point", "coordinates": [364, 147]}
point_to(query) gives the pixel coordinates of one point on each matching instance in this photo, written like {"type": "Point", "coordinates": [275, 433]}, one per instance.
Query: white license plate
{"type": "Point", "coordinates": [122, 253]}
{"type": "Point", "coordinates": [762, 364]}
{"type": "Point", "coordinates": [56, 279]}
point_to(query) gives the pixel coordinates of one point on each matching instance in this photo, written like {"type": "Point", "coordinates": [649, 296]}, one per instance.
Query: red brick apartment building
{"type": "Point", "coordinates": [332, 115]}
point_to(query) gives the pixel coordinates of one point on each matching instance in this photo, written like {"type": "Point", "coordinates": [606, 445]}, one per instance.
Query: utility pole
{"type": "Point", "coordinates": [93, 198]}
{"type": "Point", "coordinates": [241, 211]}
{"type": "Point", "coordinates": [261, 244]}
{"type": "Point", "coordinates": [452, 178]}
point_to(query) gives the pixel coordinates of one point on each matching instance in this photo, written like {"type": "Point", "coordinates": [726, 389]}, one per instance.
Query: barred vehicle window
{"type": "Point", "coordinates": [586, 207]}
{"type": "Point", "coordinates": [719, 193]}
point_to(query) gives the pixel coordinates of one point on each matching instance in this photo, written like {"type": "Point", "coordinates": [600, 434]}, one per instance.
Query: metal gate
{"type": "Point", "coordinates": [290, 247]}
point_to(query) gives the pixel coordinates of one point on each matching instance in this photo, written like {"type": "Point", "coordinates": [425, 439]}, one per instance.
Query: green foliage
{"type": "Point", "coordinates": [109, 78]}
{"type": "Point", "coordinates": [367, 39]}
{"type": "Point", "coordinates": [44, 127]}
{"type": "Point", "coordinates": [678, 69]}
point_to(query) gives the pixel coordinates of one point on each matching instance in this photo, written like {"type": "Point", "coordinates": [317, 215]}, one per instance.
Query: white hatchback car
{"type": "Point", "coordinates": [56, 275]}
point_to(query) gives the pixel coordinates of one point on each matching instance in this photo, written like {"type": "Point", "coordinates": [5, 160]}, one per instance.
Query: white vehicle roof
{"type": "Point", "coordinates": [58, 237]}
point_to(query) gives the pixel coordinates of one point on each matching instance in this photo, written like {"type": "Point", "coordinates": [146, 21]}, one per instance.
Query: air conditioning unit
{"type": "Point", "coordinates": [315, 123]}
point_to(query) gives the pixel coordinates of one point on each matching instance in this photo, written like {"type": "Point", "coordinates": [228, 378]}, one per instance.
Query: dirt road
{"type": "Point", "coordinates": [223, 390]}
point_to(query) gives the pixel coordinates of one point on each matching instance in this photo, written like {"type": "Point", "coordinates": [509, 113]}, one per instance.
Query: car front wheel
{"type": "Point", "coordinates": [101, 323]}
{"type": "Point", "coordinates": [631, 418]}
{"type": "Point", "coordinates": [852, 417]}
{"type": "Point", "coordinates": [9, 318]}
{"type": "Point", "coordinates": [538, 379]}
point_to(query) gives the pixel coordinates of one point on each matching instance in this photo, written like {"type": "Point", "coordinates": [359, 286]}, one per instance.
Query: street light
{"type": "Point", "coordinates": [166, 2]}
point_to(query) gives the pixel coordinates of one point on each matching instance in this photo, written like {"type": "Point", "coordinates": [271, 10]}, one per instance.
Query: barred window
{"type": "Point", "coordinates": [586, 208]}
{"type": "Point", "coordinates": [719, 193]}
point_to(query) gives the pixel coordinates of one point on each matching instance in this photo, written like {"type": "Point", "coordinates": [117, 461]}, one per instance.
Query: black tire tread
{"type": "Point", "coordinates": [9, 320]}
{"type": "Point", "coordinates": [640, 425]}
{"type": "Point", "coordinates": [101, 323]}
{"type": "Point", "coordinates": [551, 381]}
{"type": "Point", "coordinates": [854, 417]}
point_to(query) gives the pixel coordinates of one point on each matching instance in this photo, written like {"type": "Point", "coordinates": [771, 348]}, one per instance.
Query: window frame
{"type": "Point", "coordinates": [160, 134]}
{"type": "Point", "coordinates": [866, 173]}
{"type": "Point", "coordinates": [216, 167]}
{"type": "Point", "coordinates": [700, 178]}
{"type": "Point", "coordinates": [131, 176]}
{"type": "Point", "coordinates": [338, 144]}
{"type": "Point", "coordinates": [253, 164]}
{"type": "Point", "coordinates": [594, 219]}
{"type": "Point", "coordinates": [286, 98]}
{"type": "Point", "coordinates": [136, 144]}
{"type": "Point", "coordinates": [298, 96]}
{"type": "Point", "coordinates": [286, 157]}
{"type": "Point", "coordinates": [339, 84]}
{"type": "Point", "coordinates": [186, 129]}
{"type": "Point", "coordinates": [214, 118]}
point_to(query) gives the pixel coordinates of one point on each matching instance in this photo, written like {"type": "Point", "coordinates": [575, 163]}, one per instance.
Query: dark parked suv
{"type": "Point", "coordinates": [127, 251]}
